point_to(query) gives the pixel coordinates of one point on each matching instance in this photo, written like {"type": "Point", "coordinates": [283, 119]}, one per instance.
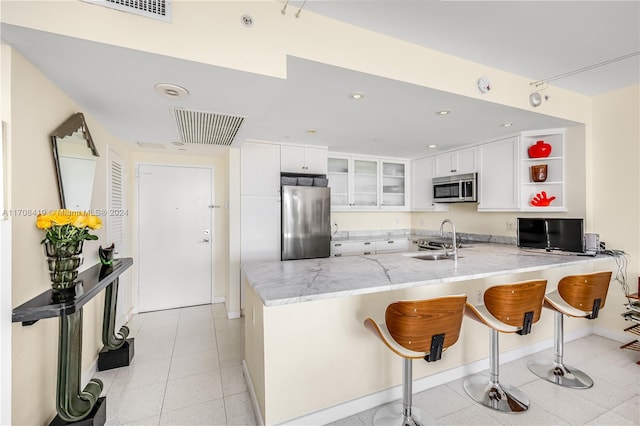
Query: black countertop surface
{"type": "Point", "coordinates": [51, 305]}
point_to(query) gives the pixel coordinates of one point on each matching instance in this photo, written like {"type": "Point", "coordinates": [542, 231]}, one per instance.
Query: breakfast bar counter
{"type": "Point", "coordinates": [297, 281]}
{"type": "Point", "coordinates": [309, 359]}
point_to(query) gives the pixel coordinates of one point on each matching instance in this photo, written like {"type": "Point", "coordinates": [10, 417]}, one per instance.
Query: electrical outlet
{"type": "Point", "coordinates": [511, 225]}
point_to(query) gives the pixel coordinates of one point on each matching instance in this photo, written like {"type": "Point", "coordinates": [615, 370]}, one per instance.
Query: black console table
{"type": "Point", "coordinates": [74, 405]}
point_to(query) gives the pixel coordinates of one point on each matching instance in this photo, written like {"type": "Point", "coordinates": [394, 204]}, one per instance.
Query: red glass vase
{"type": "Point", "coordinates": [539, 150]}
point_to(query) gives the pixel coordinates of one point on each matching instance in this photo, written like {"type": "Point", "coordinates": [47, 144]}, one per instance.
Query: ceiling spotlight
{"type": "Point", "coordinates": [171, 90]}
{"type": "Point", "coordinates": [535, 99]}
{"type": "Point", "coordinates": [432, 146]}
{"type": "Point", "coordinates": [356, 96]}
{"type": "Point", "coordinates": [311, 131]}
{"type": "Point", "coordinates": [443, 112]}
{"type": "Point", "coordinates": [177, 143]}
{"type": "Point", "coordinates": [506, 125]}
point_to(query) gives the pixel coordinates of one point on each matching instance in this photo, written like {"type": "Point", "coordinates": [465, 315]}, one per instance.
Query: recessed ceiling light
{"type": "Point", "coordinates": [506, 125]}
{"type": "Point", "coordinates": [177, 143]}
{"type": "Point", "coordinates": [432, 146]}
{"type": "Point", "coordinates": [171, 90]}
{"type": "Point", "coordinates": [443, 112]}
{"type": "Point", "coordinates": [356, 96]}
{"type": "Point", "coordinates": [311, 131]}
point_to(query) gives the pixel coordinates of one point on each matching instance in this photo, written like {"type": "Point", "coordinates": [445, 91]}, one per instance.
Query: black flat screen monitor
{"type": "Point", "coordinates": [565, 234]}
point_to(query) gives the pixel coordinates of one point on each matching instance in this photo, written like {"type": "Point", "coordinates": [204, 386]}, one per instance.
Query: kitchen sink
{"type": "Point", "coordinates": [435, 256]}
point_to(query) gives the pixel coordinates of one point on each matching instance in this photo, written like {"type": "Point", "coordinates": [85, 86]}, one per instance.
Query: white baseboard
{"type": "Point", "coordinates": [619, 336]}
{"type": "Point", "coordinates": [219, 299]}
{"type": "Point", "coordinates": [358, 405]}
{"type": "Point", "coordinates": [252, 394]}
{"type": "Point", "coordinates": [234, 314]}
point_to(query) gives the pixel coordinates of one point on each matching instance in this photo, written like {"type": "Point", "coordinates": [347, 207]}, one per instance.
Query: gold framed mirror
{"type": "Point", "coordinates": [75, 157]}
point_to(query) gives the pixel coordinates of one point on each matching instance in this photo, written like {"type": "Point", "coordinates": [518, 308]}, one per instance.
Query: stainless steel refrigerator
{"type": "Point", "coordinates": [306, 222]}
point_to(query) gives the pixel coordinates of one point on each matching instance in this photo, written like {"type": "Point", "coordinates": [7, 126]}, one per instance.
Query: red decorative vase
{"type": "Point", "coordinates": [539, 150]}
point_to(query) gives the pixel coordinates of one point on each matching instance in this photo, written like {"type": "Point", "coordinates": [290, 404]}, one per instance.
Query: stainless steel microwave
{"type": "Point", "coordinates": [456, 189]}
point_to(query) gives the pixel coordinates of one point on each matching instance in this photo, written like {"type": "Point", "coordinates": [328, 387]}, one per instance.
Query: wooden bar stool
{"type": "Point", "coordinates": [578, 296]}
{"type": "Point", "coordinates": [414, 330]}
{"type": "Point", "coordinates": [509, 308]}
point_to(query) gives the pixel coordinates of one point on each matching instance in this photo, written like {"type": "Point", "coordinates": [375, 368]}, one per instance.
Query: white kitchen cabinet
{"type": "Point", "coordinates": [353, 182]}
{"type": "Point", "coordinates": [300, 159]}
{"type": "Point", "coordinates": [357, 248]}
{"type": "Point", "coordinates": [498, 175]}
{"type": "Point", "coordinates": [553, 186]}
{"type": "Point", "coordinates": [395, 179]}
{"type": "Point", "coordinates": [421, 185]}
{"type": "Point", "coordinates": [368, 183]}
{"type": "Point", "coordinates": [393, 246]}
{"type": "Point", "coordinates": [457, 162]}
{"type": "Point", "coordinates": [259, 228]}
{"type": "Point", "coordinates": [352, 248]}
{"type": "Point", "coordinates": [260, 169]}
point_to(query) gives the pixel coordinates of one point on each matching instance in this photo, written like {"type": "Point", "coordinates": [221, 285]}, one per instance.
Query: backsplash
{"type": "Point", "coordinates": [419, 233]}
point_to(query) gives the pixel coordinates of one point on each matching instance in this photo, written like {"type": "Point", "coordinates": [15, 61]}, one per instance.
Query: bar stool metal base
{"type": "Point", "coordinates": [560, 374]}
{"type": "Point", "coordinates": [392, 415]}
{"type": "Point", "coordinates": [497, 396]}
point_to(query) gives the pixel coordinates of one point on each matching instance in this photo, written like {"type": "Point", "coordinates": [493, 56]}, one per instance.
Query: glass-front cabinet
{"type": "Point", "coordinates": [338, 175]}
{"type": "Point", "coordinates": [362, 183]}
{"type": "Point", "coordinates": [393, 184]}
{"type": "Point", "coordinates": [365, 183]}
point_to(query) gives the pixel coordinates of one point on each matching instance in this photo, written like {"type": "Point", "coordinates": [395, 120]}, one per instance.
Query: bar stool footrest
{"type": "Point", "coordinates": [560, 374]}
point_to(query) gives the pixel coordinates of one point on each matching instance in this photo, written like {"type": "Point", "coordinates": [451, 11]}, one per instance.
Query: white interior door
{"type": "Point", "coordinates": [175, 254]}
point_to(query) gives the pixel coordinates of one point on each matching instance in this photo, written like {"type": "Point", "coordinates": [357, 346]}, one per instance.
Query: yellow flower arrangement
{"type": "Point", "coordinates": [64, 226]}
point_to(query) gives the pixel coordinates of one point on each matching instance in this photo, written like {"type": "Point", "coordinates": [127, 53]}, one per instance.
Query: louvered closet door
{"type": "Point", "coordinates": [116, 229]}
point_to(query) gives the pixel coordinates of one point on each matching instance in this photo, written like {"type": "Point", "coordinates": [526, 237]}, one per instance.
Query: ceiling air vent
{"type": "Point", "coordinates": [206, 128]}
{"type": "Point", "coordinates": [156, 9]}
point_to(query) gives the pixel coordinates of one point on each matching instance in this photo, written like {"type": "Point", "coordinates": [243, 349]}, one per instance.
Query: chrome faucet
{"type": "Point", "coordinates": [455, 243]}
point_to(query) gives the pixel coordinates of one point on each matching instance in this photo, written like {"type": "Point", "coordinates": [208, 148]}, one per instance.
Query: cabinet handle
{"type": "Point", "coordinates": [366, 244]}
{"type": "Point", "coordinates": [367, 252]}
{"type": "Point", "coordinates": [337, 245]}
{"type": "Point", "coordinates": [389, 242]}
{"type": "Point", "coordinates": [338, 254]}
{"type": "Point", "coordinates": [454, 170]}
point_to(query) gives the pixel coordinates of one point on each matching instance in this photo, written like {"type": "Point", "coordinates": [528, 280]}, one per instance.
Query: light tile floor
{"type": "Point", "coordinates": [187, 370]}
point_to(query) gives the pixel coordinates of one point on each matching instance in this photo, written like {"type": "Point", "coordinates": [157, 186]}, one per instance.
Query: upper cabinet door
{"type": "Point", "coordinates": [457, 162]}
{"type": "Point", "coordinates": [365, 183]}
{"type": "Point", "coordinates": [498, 176]}
{"type": "Point", "coordinates": [467, 160]}
{"type": "Point", "coordinates": [315, 160]}
{"type": "Point", "coordinates": [260, 169]}
{"type": "Point", "coordinates": [298, 159]}
{"type": "Point", "coordinates": [338, 174]}
{"type": "Point", "coordinates": [394, 178]}
{"type": "Point", "coordinates": [292, 159]}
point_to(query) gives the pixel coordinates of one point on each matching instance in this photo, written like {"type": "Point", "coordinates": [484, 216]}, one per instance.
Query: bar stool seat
{"type": "Point", "coordinates": [508, 308]}
{"type": "Point", "coordinates": [577, 296]}
{"type": "Point", "coordinates": [414, 330]}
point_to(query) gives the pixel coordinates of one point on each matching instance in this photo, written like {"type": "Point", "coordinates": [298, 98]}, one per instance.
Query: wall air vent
{"type": "Point", "coordinates": [156, 9]}
{"type": "Point", "coordinates": [206, 128]}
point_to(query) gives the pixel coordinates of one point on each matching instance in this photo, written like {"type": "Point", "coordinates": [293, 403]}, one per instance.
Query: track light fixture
{"type": "Point", "coordinates": [535, 98]}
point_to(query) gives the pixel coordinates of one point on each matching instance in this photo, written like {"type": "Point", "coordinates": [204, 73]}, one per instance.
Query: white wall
{"type": "Point", "coordinates": [615, 176]}
{"type": "Point", "coordinates": [37, 107]}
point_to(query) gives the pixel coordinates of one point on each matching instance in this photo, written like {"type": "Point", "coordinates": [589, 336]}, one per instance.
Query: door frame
{"type": "Point", "coordinates": [136, 232]}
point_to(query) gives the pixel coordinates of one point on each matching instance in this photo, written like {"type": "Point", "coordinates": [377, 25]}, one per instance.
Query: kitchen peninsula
{"type": "Point", "coordinates": [307, 352]}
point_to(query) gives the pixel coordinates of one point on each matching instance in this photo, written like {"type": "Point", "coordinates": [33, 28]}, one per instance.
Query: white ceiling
{"type": "Point", "coordinates": [538, 40]}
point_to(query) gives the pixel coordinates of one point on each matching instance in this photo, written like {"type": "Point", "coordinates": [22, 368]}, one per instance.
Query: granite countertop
{"type": "Point", "coordinates": [295, 281]}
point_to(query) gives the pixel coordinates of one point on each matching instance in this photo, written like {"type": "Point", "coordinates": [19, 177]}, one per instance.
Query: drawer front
{"type": "Point", "coordinates": [352, 248]}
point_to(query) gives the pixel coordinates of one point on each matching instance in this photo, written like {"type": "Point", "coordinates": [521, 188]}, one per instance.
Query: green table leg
{"type": "Point", "coordinates": [110, 339]}
{"type": "Point", "coordinates": [72, 404]}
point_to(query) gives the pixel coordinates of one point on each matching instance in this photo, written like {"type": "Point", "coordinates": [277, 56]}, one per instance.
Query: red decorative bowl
{"type": "Point", "coordinates": [539, 150]}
